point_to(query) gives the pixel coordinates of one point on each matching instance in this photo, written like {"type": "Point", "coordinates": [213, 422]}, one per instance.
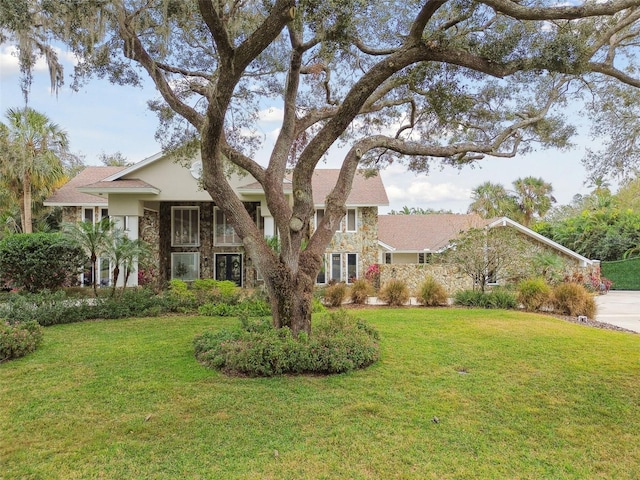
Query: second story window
{"type": "Point", "coordinates": [224, 232]}
{"type": "Point", "coordinates": [185, 227]}
{"type": "Point", "coordinates": [351, 220]}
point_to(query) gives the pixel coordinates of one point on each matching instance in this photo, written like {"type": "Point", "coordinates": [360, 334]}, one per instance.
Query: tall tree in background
{"type": "Point", "coordinates": [533, 197]}
{"type": "Point", "coordinates": [412, 81]}
{"type": "Point", "coordinates": [492, 200]}
{"type": "Point", "coordinates": [30, 161]}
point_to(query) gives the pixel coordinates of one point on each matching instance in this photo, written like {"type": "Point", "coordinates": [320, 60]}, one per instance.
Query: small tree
{"type": "Point", "coordinates": [93, 238]}
{"type": "Point", "coordinates": [124, 253]}
{"type": "Point", "coordinates": [488, 254]}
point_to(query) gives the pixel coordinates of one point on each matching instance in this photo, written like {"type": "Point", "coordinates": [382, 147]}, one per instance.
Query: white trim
{"type": "Point", "coordinates": [134, 167]}
{"type": "Point", "coordinates": [504, 221]}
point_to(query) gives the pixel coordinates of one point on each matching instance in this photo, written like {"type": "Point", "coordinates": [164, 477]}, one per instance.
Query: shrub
{"type": "Point", "coordinates": [209, 290]}
{"type": "Point", "coordinates": [340, 343]}
{"type": "Point", "coordinates": [394, 293]}
{"type": "Point", "coordinates": [432, 293]}
{"type": "Point", "coordinates": [573, 299]}
{"type": "Point", "coordinates": [19, 339]}
{"type": "Point", "coordinates": [498, 298]}
{"type": "Point", "coordinates": [469, 298]}
{"type": "Point", "coordinates": [360, 291]}
{"type": "Point", "coordinates": [335, 294]}
{"type": "Point", "coordinates": [39, 261]}
{"type": "Point", "coordinates": [534, 293]}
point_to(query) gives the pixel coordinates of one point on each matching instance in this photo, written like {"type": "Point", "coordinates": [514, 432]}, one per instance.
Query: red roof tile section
{"type": "Point", "coordinates": [417, 233]}
{"type": "Point", "coordinates": [68, 195]}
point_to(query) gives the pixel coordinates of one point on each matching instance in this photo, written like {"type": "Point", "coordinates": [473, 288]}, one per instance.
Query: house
{"type": "Point", "coordinates": [410, 245]}
{"type": "Point", "coordinates": [161, 201]}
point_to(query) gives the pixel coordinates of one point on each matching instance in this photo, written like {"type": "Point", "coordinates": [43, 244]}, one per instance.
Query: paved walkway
{"type": "Point", "coordinates": [620, 308]}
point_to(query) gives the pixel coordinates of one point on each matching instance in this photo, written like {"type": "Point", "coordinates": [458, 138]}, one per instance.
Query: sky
{"type": "Point", "coordinates": [105, 118]}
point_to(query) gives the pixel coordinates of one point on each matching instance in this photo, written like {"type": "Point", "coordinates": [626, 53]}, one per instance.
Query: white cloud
{"type": "Point", "coordinates": [9, 60]}
{"type": "Point", "coordinates": [419, 192]}
{"type": "Point", "coordinates": [272, 114]}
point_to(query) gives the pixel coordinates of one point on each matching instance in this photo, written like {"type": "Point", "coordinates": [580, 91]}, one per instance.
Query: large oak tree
{"type": "Point", "coordinates": [418, 82]}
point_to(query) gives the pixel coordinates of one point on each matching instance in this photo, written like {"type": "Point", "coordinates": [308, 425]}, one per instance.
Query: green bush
{"type": "Point", "coordinates": [360, 290]}
{"type": "Point", "coordinates": [496, 299]}
{"type": "Point", "coordinates": [335, 294]}
{"type": "Point", "coordinates": [18, 339]}
{"type": "Point", "coordinates": [39, 261]}
{"type": "Point", "coordinates": [208, 290]}
{"type": "Point", "coordinates": [339, 343]}
{"type": "Point", "coordinates": [432, 293]}
{"type": "Point", "coordinates": [573, 299]}
{"type": "Point", "coordinates": [534, 293]}
{"type": "Point", "coordinates": [394, 293]}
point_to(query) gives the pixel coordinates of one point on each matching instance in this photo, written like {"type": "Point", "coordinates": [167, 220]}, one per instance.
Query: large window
{"type": "Point", "coordinates": [339, 267]}
{"type": "Point", "coordinates": [185, 266]}
{"type": "Point", "coordinates": [185, 227]}
{"type": "Point", "coordinates": [224, 232]}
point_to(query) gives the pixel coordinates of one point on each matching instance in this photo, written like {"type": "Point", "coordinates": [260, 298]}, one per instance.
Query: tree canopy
{"type": "Point", "coordinates": [415, 82]}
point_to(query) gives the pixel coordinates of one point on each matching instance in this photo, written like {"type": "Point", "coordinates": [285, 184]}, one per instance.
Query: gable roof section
{"type": "Point", "coordinates": [424, 233]}
{"type": "Point", "coordinates": [505, 221]}
{"type": "Point", "coordinates": [69, 193]}
{"type": "Point", "coordinates": [434, 233]}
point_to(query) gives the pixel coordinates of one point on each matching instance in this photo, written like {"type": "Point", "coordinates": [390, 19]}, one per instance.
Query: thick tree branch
{"type": "Point", "coordinates": [587, 9]}
{"type": "Point", "coordinates": [610, 71]}
{"type": "Point", "coordinates": [216, 27]}
{"type": "Point", "coordinates": [427, 12]}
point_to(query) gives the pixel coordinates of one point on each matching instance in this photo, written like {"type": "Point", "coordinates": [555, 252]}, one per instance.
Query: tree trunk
{"type": "Point", "coordinates": [291, 299]}
{"type": "Point", "coordinates": [116, 275]}
{"type": "Point", "coordinates": [27, 226]}
{"type": "Point", "coordinates": [94, 265]}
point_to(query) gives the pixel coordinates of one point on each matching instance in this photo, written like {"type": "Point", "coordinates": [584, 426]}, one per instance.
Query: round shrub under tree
{"type": "Point", "coordinates": [339, 343]}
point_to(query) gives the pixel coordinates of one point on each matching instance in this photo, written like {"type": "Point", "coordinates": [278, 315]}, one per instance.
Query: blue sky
{"type": "Point", "coordinates": [109, 118]}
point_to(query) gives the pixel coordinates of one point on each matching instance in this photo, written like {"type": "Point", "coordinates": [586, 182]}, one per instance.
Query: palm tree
{"type": "Point", "coordinates": [30, 158]}
{"type": "Point", "coordinates": [124, 253]}
{"type": "Point", "coordinates": [491, 200]}
{"type": "Point", "coordinates": [94, 238]}
{"type": "Point", "coordinates": [533, 197]}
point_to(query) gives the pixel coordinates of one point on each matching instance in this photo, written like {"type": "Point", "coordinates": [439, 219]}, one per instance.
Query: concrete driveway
{"type": "Point", "coordinates": [620, 308]}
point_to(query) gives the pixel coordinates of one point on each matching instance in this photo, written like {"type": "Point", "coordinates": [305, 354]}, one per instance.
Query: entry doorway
{"type": "Point", "coordinates": [229, 267]}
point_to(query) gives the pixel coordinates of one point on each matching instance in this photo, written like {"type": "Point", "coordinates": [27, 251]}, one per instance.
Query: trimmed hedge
{"type": "Point", "coordinates": [625, 274]}
{"type": "Point", "coordinates": [39, 261]}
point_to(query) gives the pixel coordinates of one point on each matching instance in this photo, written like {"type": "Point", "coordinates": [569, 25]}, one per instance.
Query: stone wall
{"type": "Point", "coordinates": [364, 241]}
{"type": "Point", "coordinates": [413, 275]}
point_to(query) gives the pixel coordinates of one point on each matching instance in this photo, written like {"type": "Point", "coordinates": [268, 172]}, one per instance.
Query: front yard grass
{"type": "Point", "coordinates": [458, 393]}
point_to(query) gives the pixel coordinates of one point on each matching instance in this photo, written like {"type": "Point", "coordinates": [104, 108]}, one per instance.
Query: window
{"type": "Point", "coordinates": [336, 267]}
{"type": "Point", "coordinates": [319, 216]}
{"type": "Point", "coordinates": [185, 227]}
{"type": "Point", "coordinates": [352, 267]}
{"type": "Point", "coordinates": [424, 258]}
{"type": "Point", "coordinates": [224, 232]}
{"type": "Point", "coordinates": [351, 220]}
{"type": "Point", "coordinates": [185, 266]}
{"type": "Point", "coordinates": [88, 215]}
{"type": "Point", "coordinates": [104, 213]}
{"type": "Point", "coordinates": [387, 258]}
{"type": "Point", "coordinates": [322, 274]}
{"type": "Point", "coordinates": [333, 268]}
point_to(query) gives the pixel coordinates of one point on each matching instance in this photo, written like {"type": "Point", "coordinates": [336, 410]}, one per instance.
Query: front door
{"type": "Point", "coordinates": [229, 267]}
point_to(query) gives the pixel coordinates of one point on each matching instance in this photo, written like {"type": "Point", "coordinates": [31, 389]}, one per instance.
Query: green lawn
{"type": "Point", "coordinates": [517, 396]}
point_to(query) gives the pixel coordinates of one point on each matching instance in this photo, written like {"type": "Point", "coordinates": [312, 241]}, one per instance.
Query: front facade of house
{"type": "Point", "coordinates": [161, 202]}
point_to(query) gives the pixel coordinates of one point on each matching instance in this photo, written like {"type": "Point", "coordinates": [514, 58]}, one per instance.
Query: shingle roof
{"type": "Point", "coordinates": [365, 191]}
{"type": "Point", "coordinates": [418, 233]}
{"type": "Point", "coordinates": [69, 195]}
